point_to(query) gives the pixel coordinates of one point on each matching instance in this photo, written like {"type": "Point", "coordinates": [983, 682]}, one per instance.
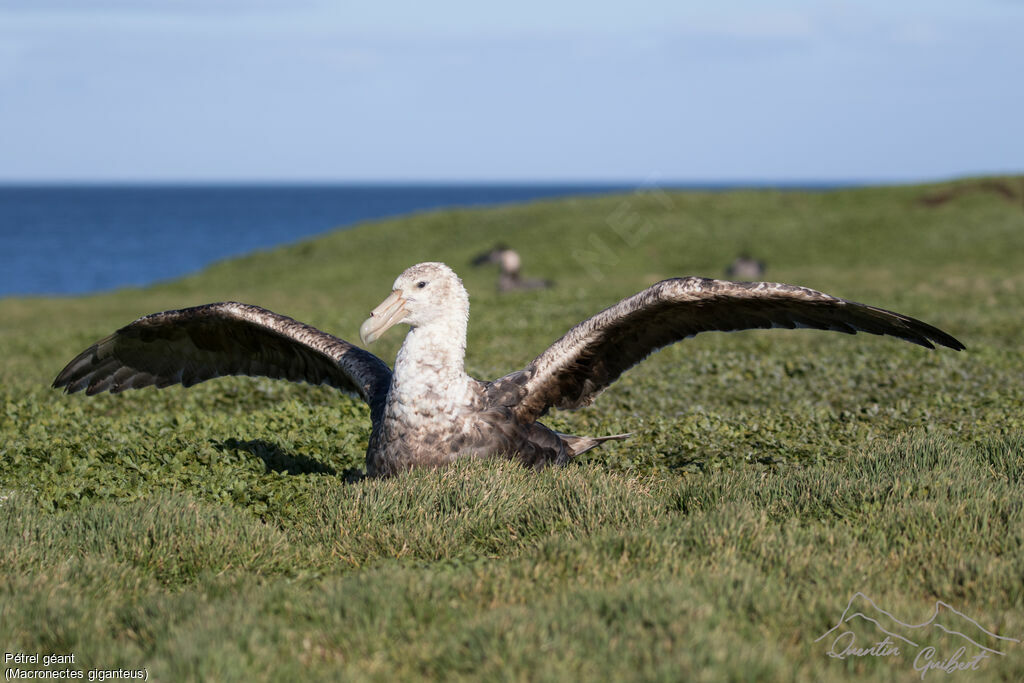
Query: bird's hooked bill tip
{"type": "Point", "coordinates": [389, 313]}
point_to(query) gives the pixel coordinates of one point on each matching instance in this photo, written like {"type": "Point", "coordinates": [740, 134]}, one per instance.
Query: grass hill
{"type": "Point", "coordinates": [215, 533]}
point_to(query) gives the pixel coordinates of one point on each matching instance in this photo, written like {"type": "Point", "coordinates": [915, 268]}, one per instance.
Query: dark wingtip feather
{"type": "Point", "coordinates": [81, 366]}
{"type": "Point", "coordinates": [931, 334]}
{"type": "Point", "coordinates": [76, 385]}
{"type": "Point", "coordinates": [951, 342]}
{"type": "Point", "coordinates": [882, 321]}
{"type": "Point", "coordinates": [66, 379]}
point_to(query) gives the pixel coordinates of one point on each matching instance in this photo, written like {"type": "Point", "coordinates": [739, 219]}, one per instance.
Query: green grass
{"type": "Point", "coordinates": [218, 532]}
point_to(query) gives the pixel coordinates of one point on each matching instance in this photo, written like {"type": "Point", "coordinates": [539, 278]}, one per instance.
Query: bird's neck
{"type": "Point", "coordinates": [432, 359]}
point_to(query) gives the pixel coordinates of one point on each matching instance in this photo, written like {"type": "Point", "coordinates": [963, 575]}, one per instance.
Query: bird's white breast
{"type": "Point", "coordinates": [429, 388]}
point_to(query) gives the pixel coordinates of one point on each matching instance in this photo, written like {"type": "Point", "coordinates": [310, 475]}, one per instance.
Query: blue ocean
{"type": "Point", "coordinates": [57, 240]}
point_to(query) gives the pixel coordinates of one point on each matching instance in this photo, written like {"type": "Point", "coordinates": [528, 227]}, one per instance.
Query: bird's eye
{"type": "Point", "coordinates": [421, 284]}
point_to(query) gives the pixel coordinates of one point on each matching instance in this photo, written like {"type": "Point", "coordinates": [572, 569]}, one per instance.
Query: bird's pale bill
{"type": "Point", "coordinates": [389, 313]}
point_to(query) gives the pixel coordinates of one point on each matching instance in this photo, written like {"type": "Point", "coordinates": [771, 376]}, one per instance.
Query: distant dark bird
{"type": "Point", "coordinates": [429, 412]}
{"type": "Point", "coordinates": [745, 268]}
{"type": "Point", "coordinates": [509, 263]}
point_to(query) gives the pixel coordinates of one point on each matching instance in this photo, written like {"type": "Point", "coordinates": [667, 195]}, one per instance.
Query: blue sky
{"type": "Point", "coordinates": [197, 90]}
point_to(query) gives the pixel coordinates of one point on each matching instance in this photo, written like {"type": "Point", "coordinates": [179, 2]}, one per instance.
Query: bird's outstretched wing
{"type": "Point", "coordinates": [196, 344]}
{"type": "Point", "coordinates": [592, 355]}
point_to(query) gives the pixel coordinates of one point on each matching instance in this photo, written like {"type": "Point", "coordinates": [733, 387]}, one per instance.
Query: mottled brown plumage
{"type": "Point", "coordinates": [429, 411]}
{"type": "Point", "coordinates": [193, 345]}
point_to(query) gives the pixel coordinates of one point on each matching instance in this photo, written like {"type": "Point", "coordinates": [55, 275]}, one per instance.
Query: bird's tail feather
{"type": "Point", "coordinates": [578, 445]}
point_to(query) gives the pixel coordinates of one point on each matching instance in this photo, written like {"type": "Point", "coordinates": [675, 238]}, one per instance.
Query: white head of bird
{"type": "Point", "coordinates": [423, 296]}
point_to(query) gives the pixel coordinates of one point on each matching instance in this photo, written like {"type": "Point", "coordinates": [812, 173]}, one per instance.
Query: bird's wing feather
{"type": "Point", "coordinates": [592, 355]}
{"type": "Point", "coordinates": [196, 344]}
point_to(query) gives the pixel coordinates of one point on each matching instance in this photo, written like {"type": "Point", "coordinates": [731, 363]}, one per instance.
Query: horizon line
{"type": "Point", "coordinates": [653, 179]}
{"type": "Point", "coordinates": [737, 183]}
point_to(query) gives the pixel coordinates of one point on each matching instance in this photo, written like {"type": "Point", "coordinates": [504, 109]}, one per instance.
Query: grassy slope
{"type": "Point", "coordinates": [211, 531]}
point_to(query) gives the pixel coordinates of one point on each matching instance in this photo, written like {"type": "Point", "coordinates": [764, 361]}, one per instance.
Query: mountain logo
{"type": "Point", "coordinates": [948, 641]}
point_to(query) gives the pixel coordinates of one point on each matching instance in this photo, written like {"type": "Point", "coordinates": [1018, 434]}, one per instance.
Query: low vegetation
{"type": "Point", "coordinates": [223, 533]}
